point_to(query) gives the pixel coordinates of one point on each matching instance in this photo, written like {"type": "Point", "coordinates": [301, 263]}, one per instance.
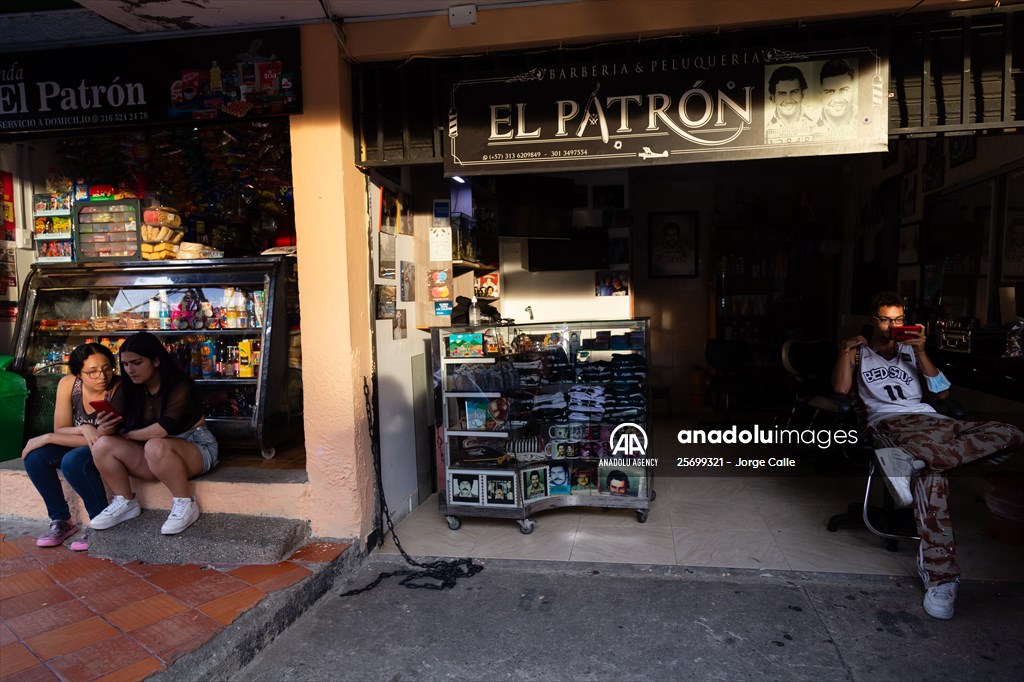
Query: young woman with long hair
{"type": "Point", "coordinates": [165, 437]}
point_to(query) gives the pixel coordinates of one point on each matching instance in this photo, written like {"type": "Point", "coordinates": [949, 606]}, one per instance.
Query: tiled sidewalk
{"type": "Point", "coordinates": [65, 616]}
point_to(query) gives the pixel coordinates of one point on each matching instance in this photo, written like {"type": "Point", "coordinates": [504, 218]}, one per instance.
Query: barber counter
{"type": "Point", "coordinates": [1003, 377]}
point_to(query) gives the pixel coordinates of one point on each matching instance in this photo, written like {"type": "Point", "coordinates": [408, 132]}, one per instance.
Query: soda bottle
{"type": "Point", "coordinates": [216, 83]}
{"type": "Point", "coordinates": [165, 310]}
{"type": "Point", "coordinates": [250, 311]}
{"type": "Point", "coordinates": [222, 359]}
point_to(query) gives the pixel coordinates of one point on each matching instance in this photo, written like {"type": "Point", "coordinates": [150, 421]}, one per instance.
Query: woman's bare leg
{"type": "Point", "coordinates": [173, 461]}
{"type": "Point", "coordinates": [116, 459]}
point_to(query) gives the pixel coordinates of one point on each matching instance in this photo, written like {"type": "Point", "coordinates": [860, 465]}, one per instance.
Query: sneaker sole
{"type": "Point", "coordinates": [127, 516]}
{"type": "Point", "coordinates": [55, 542]}
{"type": "Point", "coordinates": [898, 495]}
{"type": "Point", "coordinates": [940, 615]}
{"type": "Point", "coordinates": [179, 530]}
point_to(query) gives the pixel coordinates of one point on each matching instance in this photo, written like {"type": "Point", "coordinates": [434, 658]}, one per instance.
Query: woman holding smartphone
{"type": "Point", "coordinates": [165, 437]}
{"type": "Point", "coordinates": [76, 428]}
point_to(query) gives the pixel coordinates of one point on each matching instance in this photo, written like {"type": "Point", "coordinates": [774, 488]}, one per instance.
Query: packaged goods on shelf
{"type": "Point", "coordinates": [161, 233]}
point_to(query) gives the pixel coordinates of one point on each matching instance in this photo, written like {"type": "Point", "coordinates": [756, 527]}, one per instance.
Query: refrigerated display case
{"type": "Point", "coordinates": [530, 417]}
{"type": "Point", "coordinates": [229, 322]}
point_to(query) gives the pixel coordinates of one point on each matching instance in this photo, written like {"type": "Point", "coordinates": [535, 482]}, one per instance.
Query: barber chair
{"type": "Point", "coordinates": [810, 365]}
{"type": "Point", "coordinates": [730, 360]}
{"type": "Point", "coordinates": [887, 522]}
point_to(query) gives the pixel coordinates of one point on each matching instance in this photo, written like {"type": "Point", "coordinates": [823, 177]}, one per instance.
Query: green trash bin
{"type": "Point", "coordinates": [13, 395]}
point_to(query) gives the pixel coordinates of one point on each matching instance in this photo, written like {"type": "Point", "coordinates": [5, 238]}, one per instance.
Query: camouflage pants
{"type": "Point", "coordinates": [941, 444]}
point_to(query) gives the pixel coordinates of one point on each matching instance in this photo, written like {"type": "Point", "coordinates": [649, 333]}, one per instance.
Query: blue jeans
{"type": "Point", "coordinates": [79, 471]}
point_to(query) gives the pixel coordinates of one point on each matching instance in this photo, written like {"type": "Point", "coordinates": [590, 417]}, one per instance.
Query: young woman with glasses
{"type": "Point", "coordinates": [76, 428]}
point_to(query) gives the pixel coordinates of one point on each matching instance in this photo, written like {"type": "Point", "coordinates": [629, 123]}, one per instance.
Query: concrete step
{"type": "Point", "coordinates": [214, 539]}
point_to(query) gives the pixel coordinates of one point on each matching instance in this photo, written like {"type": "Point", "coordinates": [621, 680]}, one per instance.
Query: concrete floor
{"type": "Point", "coordinates": [532, 620]}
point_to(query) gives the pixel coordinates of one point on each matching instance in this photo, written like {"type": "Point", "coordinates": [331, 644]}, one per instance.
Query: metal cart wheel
{"type": "Point", "coordinates": [268, 453]}
{"type": "Point", "coordinates": [641, 516]}
{"type": "Point", "coordinates": [453, 522]}
{"type": "Point", "coordinates": [526, 526]}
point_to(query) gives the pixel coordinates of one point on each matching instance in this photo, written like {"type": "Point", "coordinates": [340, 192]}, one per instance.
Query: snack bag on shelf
{"type": "Point", "coordinates": [161, 233]}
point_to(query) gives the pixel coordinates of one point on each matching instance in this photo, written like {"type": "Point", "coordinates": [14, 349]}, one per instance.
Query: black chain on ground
{"type": "Point", "coordinates": [446, 572]}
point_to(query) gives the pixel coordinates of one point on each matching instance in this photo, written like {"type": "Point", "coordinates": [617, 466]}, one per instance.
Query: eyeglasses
{"type": "Point", "coordinates": [93, 373]}
{"type": "Point", "coordinates": [890, 320]}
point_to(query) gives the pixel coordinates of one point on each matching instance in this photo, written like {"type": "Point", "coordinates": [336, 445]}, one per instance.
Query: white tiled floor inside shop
{"type": "Point", "coordinates": [754, 522]}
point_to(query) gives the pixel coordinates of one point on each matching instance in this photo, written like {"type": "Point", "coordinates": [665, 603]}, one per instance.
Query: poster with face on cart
{"type": "Point", "coordinates": [464, 487]}
{"type": "Point", "coordinates": [500, 489]}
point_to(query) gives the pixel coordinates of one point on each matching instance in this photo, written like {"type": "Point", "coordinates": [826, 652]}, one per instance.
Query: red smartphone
{"type": "Point", "coordinates": [904, 333]}
{"type": "Point", "coordinates": [104, 406]}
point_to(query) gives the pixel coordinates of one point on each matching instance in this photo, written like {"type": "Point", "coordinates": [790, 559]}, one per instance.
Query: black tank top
{"type": "Point", "coordinates": [78, 414]}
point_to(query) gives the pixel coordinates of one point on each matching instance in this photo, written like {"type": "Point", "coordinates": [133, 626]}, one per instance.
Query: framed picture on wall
{"type": "Point", "coordinates": [388, 211]}
{"type": "Point", "coordinates": [1013, 248]}
{"type": "Point", "coordinates": [934, 174]}
{"type": "Point", "coordinates": [962, 150]}
{"type": "Point", "coordinates": [908, 283]}
{"type": "Point", "coordinates": [910, 155]}
{"type": "Point", "coordinates": [672, 244]}
{"type": "Point", "coordinates": [910, 241]}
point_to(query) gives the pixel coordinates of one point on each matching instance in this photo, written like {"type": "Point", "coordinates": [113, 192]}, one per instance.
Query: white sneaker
{"type": "Point", "coordinates": [119, 509]}
{"type": "Point", "coordinates": [898, 466]}
{"type": "Point", "coordinates": [184, 512]}
{"type": "Point", "coordinates": [938, 600]}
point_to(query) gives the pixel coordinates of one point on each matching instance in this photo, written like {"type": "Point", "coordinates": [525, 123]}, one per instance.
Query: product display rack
{"type": "Point", "coordinates": [526, 416]}
{"type": "Point", "coordinates": [107, 230]}
{"type": "Point", "coordinates": [53, 233]}
{"type": "Point", "coordinates": [227, 322]}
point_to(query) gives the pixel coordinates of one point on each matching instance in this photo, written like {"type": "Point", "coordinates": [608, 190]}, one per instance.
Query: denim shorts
{"type": "Point", "coordinates": [201, 437]}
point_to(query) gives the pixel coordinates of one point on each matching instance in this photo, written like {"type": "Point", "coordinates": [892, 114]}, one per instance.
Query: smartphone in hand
{"type": "Point", "coordinates": [104, 406]}
{"type": "Point", "coordinates": [904, 333]}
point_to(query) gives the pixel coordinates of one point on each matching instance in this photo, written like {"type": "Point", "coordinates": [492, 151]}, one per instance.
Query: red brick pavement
{"type": "Point", "coordinates": [66, 616]}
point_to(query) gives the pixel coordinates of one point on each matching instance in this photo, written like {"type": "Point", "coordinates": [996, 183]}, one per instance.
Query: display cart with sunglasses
{"type": "Point", "coordinates": [530, 417]}
{"type": "Point", "coordinates": [230, 323]}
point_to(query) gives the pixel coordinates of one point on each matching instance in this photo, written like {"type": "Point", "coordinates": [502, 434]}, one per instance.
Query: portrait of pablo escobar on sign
{"type": "Point", "coordinates": [813, 101]}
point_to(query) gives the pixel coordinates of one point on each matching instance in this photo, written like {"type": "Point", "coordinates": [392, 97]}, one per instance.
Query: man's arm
{"type": "Point", "coordinates": [842, 375]}
{"type": "Point", "coordinates": [924, 363]}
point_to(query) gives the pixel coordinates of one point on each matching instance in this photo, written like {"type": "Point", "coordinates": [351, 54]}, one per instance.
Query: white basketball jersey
{"type": "Point", "coordinates": [892, 386]}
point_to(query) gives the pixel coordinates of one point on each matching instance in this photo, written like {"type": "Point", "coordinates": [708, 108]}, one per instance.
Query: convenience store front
{"type": "Point", "coordinates": [241, 161]}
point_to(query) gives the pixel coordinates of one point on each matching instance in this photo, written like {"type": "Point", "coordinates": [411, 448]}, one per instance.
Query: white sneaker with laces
{"type": "Point", "coordinates": [184, 512]}
{"type": "Point", "coordinates": [939, 600]}
{"type": "Point", "coordinates": [120, 509]}
{"type": "Point", "coordinates": [898, 466]}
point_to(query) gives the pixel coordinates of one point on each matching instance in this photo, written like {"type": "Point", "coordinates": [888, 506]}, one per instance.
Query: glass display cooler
{"type": "Point", "coordinates": [232, 324]}
{"type": "Point", "coordinates": [530, 417]}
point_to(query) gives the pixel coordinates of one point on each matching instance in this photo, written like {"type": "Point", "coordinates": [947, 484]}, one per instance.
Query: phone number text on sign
{"type": "Point", "coordinates": [511, 156]}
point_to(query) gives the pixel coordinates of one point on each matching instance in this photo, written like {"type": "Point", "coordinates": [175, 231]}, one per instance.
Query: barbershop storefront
{"type": "Point", "coordinates": [800, 194]}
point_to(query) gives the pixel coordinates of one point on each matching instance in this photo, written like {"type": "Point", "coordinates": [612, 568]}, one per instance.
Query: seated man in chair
{"type": "Point", "coordinates": [889, 379]}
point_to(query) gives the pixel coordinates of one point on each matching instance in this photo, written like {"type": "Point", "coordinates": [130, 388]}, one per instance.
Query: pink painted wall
{"type": "Point", "coordinates": [330, 219]}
